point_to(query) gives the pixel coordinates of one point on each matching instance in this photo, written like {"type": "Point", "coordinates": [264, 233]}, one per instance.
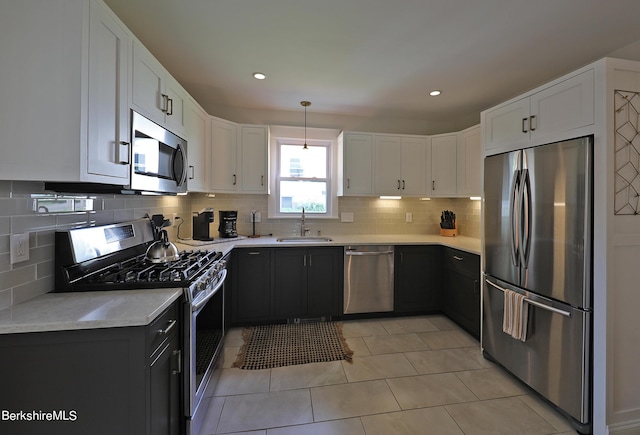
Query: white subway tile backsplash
{"type": "Point", "coordinates": [21, 282]}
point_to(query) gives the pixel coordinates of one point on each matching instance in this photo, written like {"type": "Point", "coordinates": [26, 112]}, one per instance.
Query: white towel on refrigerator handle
{"type": "Point", "coordinates": [516, 315]}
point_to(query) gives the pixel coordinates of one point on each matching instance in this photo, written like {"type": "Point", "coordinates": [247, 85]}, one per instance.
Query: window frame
{"type": "Point", "coordinates": [280, 135]}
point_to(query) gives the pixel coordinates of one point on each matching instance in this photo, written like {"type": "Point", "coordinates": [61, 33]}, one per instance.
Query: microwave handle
{"type": "Point", "coordinates": [180, 170]}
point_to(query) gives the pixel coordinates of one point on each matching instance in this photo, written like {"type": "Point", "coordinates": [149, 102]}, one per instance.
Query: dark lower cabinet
{"type": "Point", "coordinates": [461, 289]}
{"type": "Point", "coordinates": [307, 282]}
{"type": "Point", "coordinates": [251, 285]}
{"type": "Point", "coordinates": [276, 284]}
{"type": "Point", "coordinates": [418, 279]}
{"type": "Point", "coordinates": [97, 381]}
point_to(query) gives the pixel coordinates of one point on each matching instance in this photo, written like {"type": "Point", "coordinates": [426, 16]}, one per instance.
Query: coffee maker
{"type": "Point", "coordinates": [227, 224]}
{"type": "Point", "coordinates": [201, 228]}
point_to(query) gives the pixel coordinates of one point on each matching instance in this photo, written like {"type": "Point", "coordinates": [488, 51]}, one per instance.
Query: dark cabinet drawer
{"type": "Point", "coordinates": [461, 262]}
{"type": "Point", "coordinates": [163, 326]}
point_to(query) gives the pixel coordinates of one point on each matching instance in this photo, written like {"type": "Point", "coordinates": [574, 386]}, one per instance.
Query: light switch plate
{"type": "Point", "coordinates": [409, 217]}
{"type": "Point", "coordinates": [19, 248]}
{"type": "Point", "coordinates": [346, 217]}
{"type": "Point", "coordinates": [255, 216]}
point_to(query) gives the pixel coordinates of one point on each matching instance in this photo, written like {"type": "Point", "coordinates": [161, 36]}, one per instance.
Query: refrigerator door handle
{"type": "Point", "coordinates": [525, 243]}
{"type": "Point", "coordinates": [514, 218]}
{"type": "Point", "coordinates": [534, 303]}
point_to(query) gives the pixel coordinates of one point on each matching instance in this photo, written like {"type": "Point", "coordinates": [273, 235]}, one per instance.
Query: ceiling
{"type": "Point", "coordinates": [375, 58]}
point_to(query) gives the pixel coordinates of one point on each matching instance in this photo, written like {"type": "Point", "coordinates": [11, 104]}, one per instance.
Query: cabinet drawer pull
{"type": "Point", "coordinates": [455, 257]}
{"type": "Point", "coordinates": [254, 253]}
{"type": "Point", "coordinates": [172, 324]}
{"type": "Point", "coordinates": [524, 125]}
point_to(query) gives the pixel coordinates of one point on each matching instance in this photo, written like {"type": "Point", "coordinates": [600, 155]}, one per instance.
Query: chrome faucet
{"type": "Point", "coordinates": [303, 230]}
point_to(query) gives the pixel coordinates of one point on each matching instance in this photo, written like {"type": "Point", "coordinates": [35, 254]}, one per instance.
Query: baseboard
{"type": "Point", "coordinates": [626, 428]}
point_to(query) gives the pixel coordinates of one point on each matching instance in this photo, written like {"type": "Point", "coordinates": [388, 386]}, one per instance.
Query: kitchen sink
{"type": "Point", "coordinates": [304, 239]}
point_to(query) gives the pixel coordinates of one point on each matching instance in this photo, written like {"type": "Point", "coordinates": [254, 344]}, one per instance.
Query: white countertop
{"type": "Point", "coordinates": [463, 243]}
{"type": "Point", "coordinates": [109, 309]}
{"type": "Point", "coordinates": [87, 310]}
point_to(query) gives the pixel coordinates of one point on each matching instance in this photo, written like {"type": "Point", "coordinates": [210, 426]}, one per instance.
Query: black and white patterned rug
{"type": "Point", "coordinates": [270, 346]}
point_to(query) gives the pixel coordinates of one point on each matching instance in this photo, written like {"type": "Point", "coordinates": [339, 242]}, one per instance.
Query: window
{"type": "Point", "coordinates": [302, 179]}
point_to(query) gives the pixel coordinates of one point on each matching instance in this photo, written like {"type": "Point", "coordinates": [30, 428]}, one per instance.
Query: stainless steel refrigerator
{"type": "Point", "coordinates": [537, 242]}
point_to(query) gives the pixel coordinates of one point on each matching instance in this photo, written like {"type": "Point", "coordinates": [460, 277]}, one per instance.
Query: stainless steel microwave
{"type": "Point", "coordinates": [159, 158]}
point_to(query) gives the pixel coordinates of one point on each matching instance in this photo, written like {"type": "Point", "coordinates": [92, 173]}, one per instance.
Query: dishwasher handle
{"type": "Point", "coordinates": [348, 252]}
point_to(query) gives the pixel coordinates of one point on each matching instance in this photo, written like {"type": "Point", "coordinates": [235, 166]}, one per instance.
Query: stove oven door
{"type": "Point", "coordinates": [204, 337]}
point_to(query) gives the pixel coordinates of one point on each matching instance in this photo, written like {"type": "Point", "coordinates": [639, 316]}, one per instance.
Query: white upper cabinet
{"type": "Point", "coordinates": [399, 165]}
{"type": "Point", "coordinates": [355, 164]}
{"type": "Point", "coordinates": [108, 145]}
{"type": "Point", "coordinates": [547, 115]}
{"type": "Point", "coordinates": [65, 87]}
{"type": "Point", "coordinates": [224, 156]}
{"type": "Point", "coordinates": [254, 159]}
{"type": "Point", "coordinates": [239, 157]}
{"type": "Point", "coordinates": [443, 164]}
{"type": "Point", "coordinates": [387, 167]}
{"type": "Point", "coordinates": [470, 162]}
{"type": "Point", "coordinates": [156, 94]}
{"type": "Point", "coordinates": [198, 137]}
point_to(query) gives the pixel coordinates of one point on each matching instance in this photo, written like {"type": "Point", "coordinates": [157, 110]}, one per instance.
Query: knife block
{"type": "Point", "coordinates": [448, 233]}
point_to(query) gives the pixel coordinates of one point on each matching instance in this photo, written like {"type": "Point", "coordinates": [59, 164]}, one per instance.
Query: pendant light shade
{"type": "Point", "coordinates": [305, 104]}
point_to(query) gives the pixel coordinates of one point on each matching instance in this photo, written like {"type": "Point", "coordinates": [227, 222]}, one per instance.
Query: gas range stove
{"type": "Point", "coordinates": [112, 257]}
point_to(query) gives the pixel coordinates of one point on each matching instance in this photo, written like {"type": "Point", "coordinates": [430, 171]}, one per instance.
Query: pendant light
{"type": "Point", "coordinates": [305, 104]}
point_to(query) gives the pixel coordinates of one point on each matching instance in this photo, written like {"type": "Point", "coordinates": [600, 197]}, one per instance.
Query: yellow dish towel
{"type": "Point", "coordinates": [516, 315]}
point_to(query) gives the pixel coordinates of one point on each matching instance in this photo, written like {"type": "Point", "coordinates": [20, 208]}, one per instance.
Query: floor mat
{"type": "Point", "coordinates": [270, 346]}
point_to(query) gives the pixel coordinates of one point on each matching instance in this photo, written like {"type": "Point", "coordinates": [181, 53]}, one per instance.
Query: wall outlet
{"type": "Point", "coordinates": [409, 217]}
{"type": "Point", "coordinates": [346, 217]}
{"type": "Point", "coordinates": [174, 221]}
{"type": "Point", "coordinates": [19, 248]}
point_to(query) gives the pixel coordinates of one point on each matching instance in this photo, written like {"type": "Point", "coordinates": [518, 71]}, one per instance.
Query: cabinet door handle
{"type": "Point", "coordinates": [532, 123]}
{"type": "Point", "coordinates": [433, 185]}
{"type": "Point", "coordinates": [455, 257]}
{"type": "Point", "coordinates": [348, 183]}
{"type": "Point", "coordinates": [524, 125]}
{"type": "Point", "coordinates": [254, 253]}
{"type": "Point", "coordinates": [235, 179]}
{"type": "Point", "coordinates": [193, 172]}
{"type": "Point", "coordinates": [178, 355]}
{"type": "Point", "coordinates": [398, 184]}
{"type": "Point", "coordinates": [165, 103]}
{"type": "Point", "coordinates": [304, 261]}
{"type": "Point", "coordinates": [172, 323]}
{"type": "Point", "coordinates": [310, 263]}
{"type": "Point", "coordinates": [170, 106]}
{"type": "Point", "coordinates": [402, 184]}
{"type": "Point", "coordinates": [262, 180]}
{"type": "Point", "coordinates": [122, 153]}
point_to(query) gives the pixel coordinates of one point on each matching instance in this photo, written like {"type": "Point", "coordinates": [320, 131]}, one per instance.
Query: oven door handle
{"type": "Point", "coordinates": [196, 306]}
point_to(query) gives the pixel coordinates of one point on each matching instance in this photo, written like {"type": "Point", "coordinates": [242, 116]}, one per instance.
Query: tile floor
{"type": "Point", "coordinates": [410, 375]}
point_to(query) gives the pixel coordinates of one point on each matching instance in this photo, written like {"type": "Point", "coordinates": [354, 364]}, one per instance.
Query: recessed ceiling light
{"type": "Point", "coordinates": [434, 93]}
{"type": "Point", "coordinates": [259, 76]}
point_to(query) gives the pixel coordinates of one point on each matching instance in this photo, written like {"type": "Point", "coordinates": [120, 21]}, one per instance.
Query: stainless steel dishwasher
{"type": "Point", "coordinates": [368, 279]}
